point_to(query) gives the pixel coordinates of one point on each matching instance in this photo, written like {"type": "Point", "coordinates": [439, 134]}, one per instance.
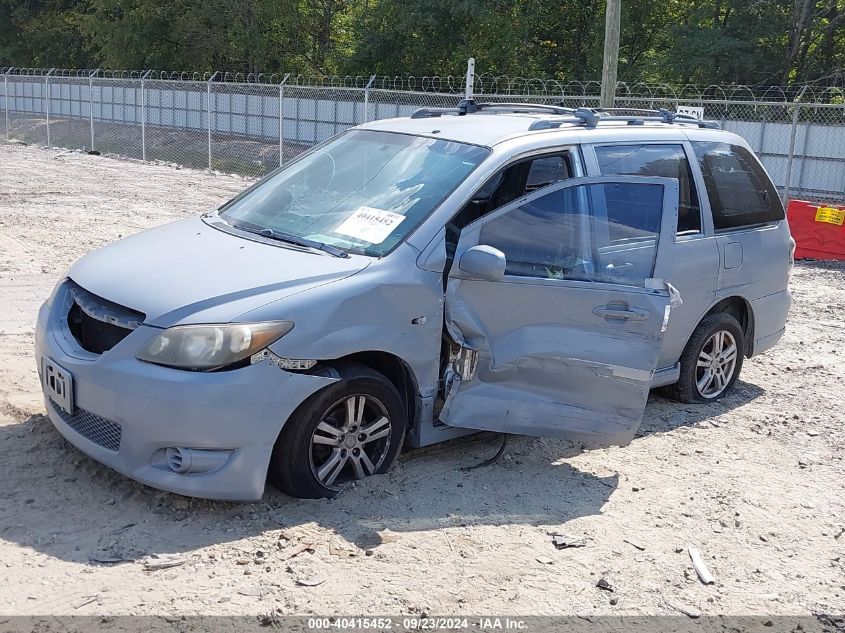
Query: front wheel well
{"type": "Point", "coordinates": [395, 370]}
{"type": "Point", "coordinates": [739, 309]}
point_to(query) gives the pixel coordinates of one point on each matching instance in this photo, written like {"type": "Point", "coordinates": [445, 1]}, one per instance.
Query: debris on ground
{"type": "Point", "coordinates": [341, 552]}
{"type": "Point", "coordinates": [386, 536]}
{"type": "Point", "coordinates": [155, 563]}
{"type": "Point", "coordinates": [107, 559]}
{"type": "Point", "coordinates": [687, 610]}
{"type": "Point", "coordinates": [699, 565]}
{"type": "Point", "coordinates": [492, 460]}
{"type": "Point", "coordinates": [297, 550]}
{"type": "Point", "coordinates": [86, 600]}
{"type": "Point", "coordinates": [310, 582]}
{"type": "Point", "coordinates": [562, 541]}
{"type": "Point", "coordinates": [604, 585]}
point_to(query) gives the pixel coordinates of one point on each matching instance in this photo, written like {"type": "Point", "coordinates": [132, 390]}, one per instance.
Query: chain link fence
{"type": "Point", "coordinates": [251, 124]}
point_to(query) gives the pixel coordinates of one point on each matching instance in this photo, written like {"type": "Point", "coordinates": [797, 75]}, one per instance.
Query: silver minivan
{"type": "Point", "coordinates": [515, 268]}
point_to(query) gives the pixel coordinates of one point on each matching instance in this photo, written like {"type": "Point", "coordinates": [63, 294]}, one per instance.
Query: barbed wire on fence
{"type": "Point", "coordinates": [252, 123]}
{"type": "Point", "coordinates": [484, 84]}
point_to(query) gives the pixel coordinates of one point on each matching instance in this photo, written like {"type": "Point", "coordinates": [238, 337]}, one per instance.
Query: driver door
{"type": "Point", "coordinates": [559, 301]}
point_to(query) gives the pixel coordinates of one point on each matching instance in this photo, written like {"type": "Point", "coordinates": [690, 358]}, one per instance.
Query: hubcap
{"type": "Point", "coordinates": [351, 441]}
{"type": "Point", "coordinates": [716, 364]}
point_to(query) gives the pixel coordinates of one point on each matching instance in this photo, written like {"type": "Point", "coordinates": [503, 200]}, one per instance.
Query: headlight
{"type": "Point", "coordinates": [204, 347]}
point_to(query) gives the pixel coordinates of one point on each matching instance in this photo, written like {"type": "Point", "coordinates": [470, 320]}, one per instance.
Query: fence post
{"type": "Point", "coordinates": [91, 76]}
{"type": "Point", "coordinates": [47, 101]}
{"type": "Point", "coordinates": [144, 118]}
{"type": "Point", "coordinates": [367, 98]}
{"type": "Point", "coordinates": [6, 98]}
{"type": "Point", "coordinates": [470, 77]}
{"type": "Point", "coordinates": [208, 113]}
{"type": "Point", "coordinates": [792, 134]}
{"type": "Point", "coordinates": [282, 118]}
{"type": "Point", "coordinates": [800, 186]}
{"type": "Point", "coordinates": [765, 118]}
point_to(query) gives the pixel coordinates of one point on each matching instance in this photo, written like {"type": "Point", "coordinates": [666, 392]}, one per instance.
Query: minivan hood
{"type": "Point", "coordinates": [190, 272]}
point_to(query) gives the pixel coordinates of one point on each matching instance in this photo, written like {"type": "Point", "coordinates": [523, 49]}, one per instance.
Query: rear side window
{"type": "Point", "coordinates": [667, 161]}
{"type": "Point", "coordinates": [740, 192]}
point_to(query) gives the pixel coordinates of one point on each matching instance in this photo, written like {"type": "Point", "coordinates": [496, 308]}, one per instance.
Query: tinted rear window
{"type": "Point", "coordinates": [740, 192]}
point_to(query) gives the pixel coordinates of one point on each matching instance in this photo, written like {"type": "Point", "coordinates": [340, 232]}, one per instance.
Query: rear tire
{"type": "Point", "coordinates": [349, 430]}
{"type": "Point", "coordinates": [709, 368]}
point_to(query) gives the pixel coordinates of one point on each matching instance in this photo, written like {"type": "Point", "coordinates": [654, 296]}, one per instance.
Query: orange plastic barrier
{"type": "Point", "coordinates": [818, 229]}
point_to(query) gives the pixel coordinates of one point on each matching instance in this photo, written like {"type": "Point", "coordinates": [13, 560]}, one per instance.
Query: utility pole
{"type": "Point", "coordinates": [470, 79]}
{"type": "Point", "coordinates": [612, 26]}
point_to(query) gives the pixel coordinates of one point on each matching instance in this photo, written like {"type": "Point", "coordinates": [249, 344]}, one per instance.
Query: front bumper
{"type": "Point", "coordinates": [239, 411]}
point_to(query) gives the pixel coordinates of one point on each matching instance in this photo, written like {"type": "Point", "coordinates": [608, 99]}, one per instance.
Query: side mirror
{"type": "Point", "coordinates": [483, 262]}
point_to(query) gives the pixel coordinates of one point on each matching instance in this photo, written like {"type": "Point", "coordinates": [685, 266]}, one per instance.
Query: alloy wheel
{"type": "Point", "coordinates": [351, 441]}
{"type": "Point", "coordinates": [716, 364]}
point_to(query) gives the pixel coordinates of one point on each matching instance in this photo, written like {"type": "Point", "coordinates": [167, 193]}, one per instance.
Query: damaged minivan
{"type": "Point", "coordinates": [515, 268]}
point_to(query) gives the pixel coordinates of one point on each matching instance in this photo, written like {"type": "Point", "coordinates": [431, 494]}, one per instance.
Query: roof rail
{"type": "Point", "coordinates": [465, 106]}
{"type": "Point", "coordinates": [469, 106]}
{"type": "Point", "coordinates": [591, 117]}
{"type": "Point", "coordinates": [587, 117]}
{"type": "Point", "coordinates": [526, 107]}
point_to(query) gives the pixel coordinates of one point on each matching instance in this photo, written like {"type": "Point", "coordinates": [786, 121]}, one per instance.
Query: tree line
{"type": "Point", "coordinates": [757, 42]}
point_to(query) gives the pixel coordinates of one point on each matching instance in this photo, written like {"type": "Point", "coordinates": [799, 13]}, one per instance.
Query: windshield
{"type": "Point", "coordinates": [362, 192]}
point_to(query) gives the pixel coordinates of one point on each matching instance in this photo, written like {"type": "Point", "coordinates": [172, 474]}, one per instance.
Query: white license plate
{"type": "Point", "coordinates": [58, 384]}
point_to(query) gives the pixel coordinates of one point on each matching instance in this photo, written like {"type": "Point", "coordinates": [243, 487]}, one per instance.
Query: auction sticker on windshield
{"type": "Point", "coordinates": [369, 224]}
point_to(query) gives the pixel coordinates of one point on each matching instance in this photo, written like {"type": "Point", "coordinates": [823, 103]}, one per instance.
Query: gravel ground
{"type": "Point", "coordinates": [755, 481]}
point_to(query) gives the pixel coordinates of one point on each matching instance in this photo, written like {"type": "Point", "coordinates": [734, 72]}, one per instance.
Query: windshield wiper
{"type": "Point", "coordinates": [295, 239]}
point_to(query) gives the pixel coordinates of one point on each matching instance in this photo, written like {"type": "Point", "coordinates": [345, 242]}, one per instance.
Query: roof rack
{"type": "Point", "coordinates": [586, 117]}
{"type": "Point", "coordinates": [591, 117]}
{"type": "Point", "coordinates": [469, 106]}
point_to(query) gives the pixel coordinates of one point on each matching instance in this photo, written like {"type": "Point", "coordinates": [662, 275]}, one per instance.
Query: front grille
{"type": "Point", "coordinates": [92, 427]}
{"type": "Point", "coordinates": [98, 324]}
{"type": "Point", "coordinates": [92, 334]}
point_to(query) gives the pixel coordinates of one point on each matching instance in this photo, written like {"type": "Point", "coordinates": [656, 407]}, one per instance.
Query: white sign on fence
{"type": "Point", "coordinates": [696, 111]}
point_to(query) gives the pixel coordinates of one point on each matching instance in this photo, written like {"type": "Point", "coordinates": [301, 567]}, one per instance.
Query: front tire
{"type": "Point", "coordinates": [711, 361]}
{"type": "Point", "coordinates": [350, 430]}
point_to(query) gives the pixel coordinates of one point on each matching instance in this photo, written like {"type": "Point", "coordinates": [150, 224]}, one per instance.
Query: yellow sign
{"type": "Point", "coordinates": [830, 215]}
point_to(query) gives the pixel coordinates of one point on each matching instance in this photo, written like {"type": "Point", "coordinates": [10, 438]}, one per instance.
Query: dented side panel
{"type": "Point", "coordinates": [547, 365]}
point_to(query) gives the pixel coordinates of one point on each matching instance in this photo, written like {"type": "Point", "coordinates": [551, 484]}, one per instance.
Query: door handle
{"type": "Point", "coordinates": [623, 314]}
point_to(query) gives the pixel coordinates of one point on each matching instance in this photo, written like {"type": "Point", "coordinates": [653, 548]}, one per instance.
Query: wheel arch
{"type": "Point", "coordinates": [739, 308]}
{"type": "Point", "coordinates": [396, 370]}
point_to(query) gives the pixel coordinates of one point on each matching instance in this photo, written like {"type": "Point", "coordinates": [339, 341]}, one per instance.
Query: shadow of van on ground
{"type": "Point", "coordinates": [61, 503]}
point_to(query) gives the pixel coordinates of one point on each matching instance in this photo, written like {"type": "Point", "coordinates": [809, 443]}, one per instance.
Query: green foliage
{"type": "Point", "coordinates": [678, 41]}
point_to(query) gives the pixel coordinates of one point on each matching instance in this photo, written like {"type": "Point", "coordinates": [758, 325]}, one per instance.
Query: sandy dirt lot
{"type": "Point", "coordinates": [754, 481]}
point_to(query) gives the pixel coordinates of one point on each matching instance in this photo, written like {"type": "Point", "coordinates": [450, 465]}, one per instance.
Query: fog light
{"type": "Point", "coordinates": [193, 460]}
